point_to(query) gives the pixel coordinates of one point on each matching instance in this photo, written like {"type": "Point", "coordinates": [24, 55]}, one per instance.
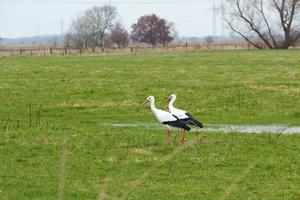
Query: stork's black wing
{"type": "Point", "coordinates": [178, 124]}
{"type": "Point", "coordinates": [192, 121]}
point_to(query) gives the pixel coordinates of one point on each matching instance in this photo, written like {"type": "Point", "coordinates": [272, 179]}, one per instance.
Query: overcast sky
{"type": "Point", "coordinates": [39, 17]}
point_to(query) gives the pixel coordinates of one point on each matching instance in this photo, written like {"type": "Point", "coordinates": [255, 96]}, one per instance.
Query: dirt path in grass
{"type": "Point", "coordinates": [234, 185]}
{"type": "Point", "coordinates": [137, 182]}
{"type": "Point", "coordinates": [63, 160]}
{"type": "Point", "coordinates": [102, 190]}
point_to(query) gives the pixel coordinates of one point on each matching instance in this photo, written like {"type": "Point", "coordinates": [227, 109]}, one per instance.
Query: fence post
{"type": "Point", "coordinates": [21, 51]}
{"type": "Point", "coordinates": [186, 47]}
{"type": "Point", "coordinates": [131, 50]}
{"type": "Point", "coordinates": [66, 51]}
{"type": "Point", "coordinates": [51, 51]}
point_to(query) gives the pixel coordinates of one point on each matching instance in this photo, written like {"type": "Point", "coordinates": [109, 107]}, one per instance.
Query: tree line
{"type": "Point", "coordinates": [273, 24]}
{"type": "Point", "coordinates": [99, 27]}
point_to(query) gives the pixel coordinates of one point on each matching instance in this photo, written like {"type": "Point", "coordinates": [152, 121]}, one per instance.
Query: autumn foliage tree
{"type": "Point", "coordinates": [119, 36]}
{"type": "Point", "coordinates": [152, 30]}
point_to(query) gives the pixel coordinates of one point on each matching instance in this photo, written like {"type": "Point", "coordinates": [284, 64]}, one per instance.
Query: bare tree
{"type": "Point", "coordinates": [264, 23]}
{"type": "Point", "coordinates": [91, 28]}
{"type": "Point", "coordinates": [100, 20]}
{"type": "Point", "coordinates": [68, 40]}
{"type": "Point", "coordinates": [107, 42]}
{"type": "Point", "coordinates": [209, 39]}
{"type": "Point", "coordinates": [120, 36]}
{"type": "Point", "coordinates": [54, 41]}
{"type": "Point", "coordinates": [152, 30]}
{"type": "Point", "coordinates": [80, 32]}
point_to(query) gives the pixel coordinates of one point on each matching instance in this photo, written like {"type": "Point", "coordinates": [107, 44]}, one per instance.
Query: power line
{"type": "Point", "coordinates": [115, 2]}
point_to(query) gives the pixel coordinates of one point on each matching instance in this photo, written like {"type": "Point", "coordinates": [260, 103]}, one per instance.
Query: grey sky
{"type": "Point", "coordinates": [37, 17]}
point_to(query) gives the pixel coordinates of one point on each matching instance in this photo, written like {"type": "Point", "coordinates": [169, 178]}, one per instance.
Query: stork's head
{"type": "Point", "coordinates": [171, 97]}
{"type": "Point", "coordinates": [149, 99]}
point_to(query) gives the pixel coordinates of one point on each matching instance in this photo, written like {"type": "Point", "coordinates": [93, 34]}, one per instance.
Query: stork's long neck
{"type": "Point", "coordinates": [171, 104]}
{"type": "Point", "coordinates": [153, 108]}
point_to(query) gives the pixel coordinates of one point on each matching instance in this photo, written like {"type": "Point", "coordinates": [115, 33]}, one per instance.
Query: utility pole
{"type": "Point", "coordinates": [214, 19]}
{"type": "Point", "coordinates": [222, 18]}
{"type": "Point", "coordinates": [62, 23]}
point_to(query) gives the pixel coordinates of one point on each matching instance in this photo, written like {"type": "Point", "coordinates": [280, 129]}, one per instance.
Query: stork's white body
{"type": "Point", "coordinates": [186, 117]}
{"type": "Point", "coordinates": [166, 118]}
{"type": "Point", "coordinates": [181, 114]}
{"type": "Point", "coordinates": [162, 116]}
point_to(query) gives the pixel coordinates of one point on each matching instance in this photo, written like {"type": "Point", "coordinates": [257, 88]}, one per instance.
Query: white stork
{"type": "Point", "coordinates": [183, 115]}
{"type": "Point", "coordinates": [166, 118]}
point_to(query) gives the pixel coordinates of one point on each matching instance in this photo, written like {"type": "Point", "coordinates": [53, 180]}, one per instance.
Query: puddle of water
{"type": "Point", "coordinates": [275, 129]}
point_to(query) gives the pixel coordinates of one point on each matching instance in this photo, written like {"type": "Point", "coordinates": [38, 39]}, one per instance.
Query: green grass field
{"type": "Point", "coordinates": [56, 141]}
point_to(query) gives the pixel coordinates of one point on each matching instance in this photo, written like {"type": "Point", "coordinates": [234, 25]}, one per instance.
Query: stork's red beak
{"type": "Point", "coordinates": [145, 102]}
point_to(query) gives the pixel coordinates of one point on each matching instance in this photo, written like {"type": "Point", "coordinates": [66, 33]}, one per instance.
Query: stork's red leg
{"type": "Point", "coordinates": [183, 136]}
{"type": "Point", "coordinates": [180, 136]}
{"type": "Point", "coordinates": [169, 137]}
